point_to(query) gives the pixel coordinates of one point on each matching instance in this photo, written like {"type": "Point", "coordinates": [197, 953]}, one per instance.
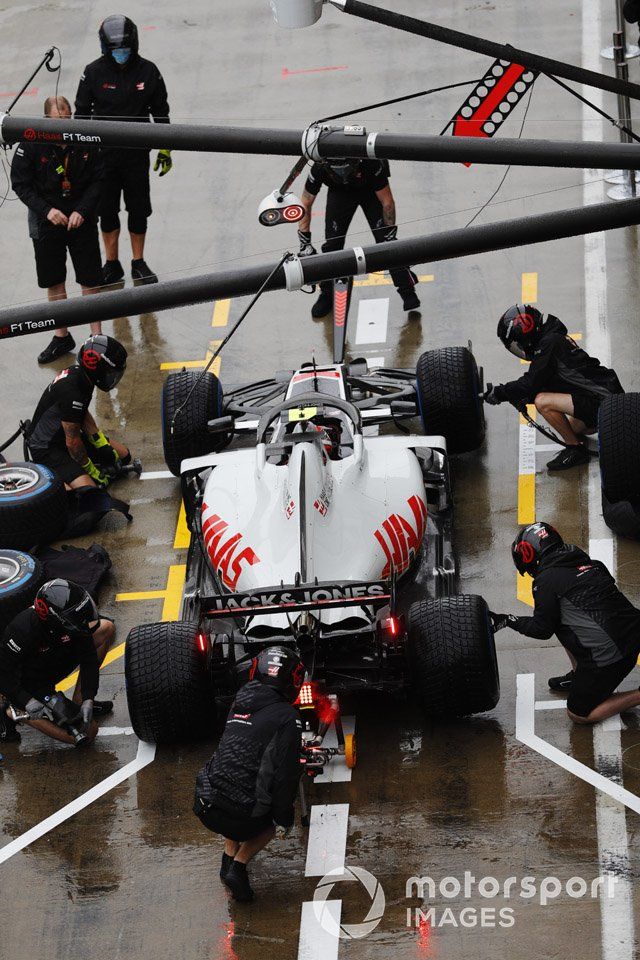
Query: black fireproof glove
{"type": "Point", "coordinates": [501, 620]}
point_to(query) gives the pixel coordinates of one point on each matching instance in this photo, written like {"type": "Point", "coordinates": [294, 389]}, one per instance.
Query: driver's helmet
{"type": "Point", "coordinates": [519, 328]}
{"type": "Point", "coordinates": [331, 433]}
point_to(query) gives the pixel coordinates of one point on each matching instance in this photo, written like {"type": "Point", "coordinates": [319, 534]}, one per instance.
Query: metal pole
{"type": "Point", "coordinates": [630, 49]}
{"type": "Point", "coordinates": [470, 241]}
{"type": "Point", "coordinates": [627, 188]}
{"type": "Point", "coordinates": [320, 142]}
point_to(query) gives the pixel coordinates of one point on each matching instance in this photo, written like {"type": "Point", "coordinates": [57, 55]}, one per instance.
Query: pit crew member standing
{"type": "Point", "coordinates": [121, 85]}
{"type": "Point", "coordinates": [63, 435]}
{"type": "Point", "coordinates": [577, 599]}
{"type": "Point", "coordinates": [41, 646]}
{"type": "Point", "coordinates": [247, 790]}
{"type": "Point", "coordinates": [566, 385]}
{"type": "Point", "coordinates": [61, 185]}
{"type": "Point", "coordinates": [352, 184]}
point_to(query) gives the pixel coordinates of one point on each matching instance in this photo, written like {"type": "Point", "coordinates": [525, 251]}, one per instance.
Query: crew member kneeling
{"type": "Point", "coordinates": [577, 599]}
{"type": "Point", "coordinates": [63, 435]}
{"type": "Point", "coordinates": [247, 790]}
{"type": "Point", "coordinates": [41, 646]}
{"type": "Point", "coordinates": [566, 385]}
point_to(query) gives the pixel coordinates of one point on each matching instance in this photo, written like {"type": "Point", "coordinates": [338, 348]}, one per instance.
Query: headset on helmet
{"type": "Point", "coordinates": [531, 544]}
{"type": "Point", "coordinates": [118, 33]}
{"type": "Point", "coordinates": [62, 603]}
{"type": "Point", "coordinates": [518, 328]}
{"type": "Point", "coordinates": [281, 668]}
{"type": "Point", "coordinates": [104, 361]}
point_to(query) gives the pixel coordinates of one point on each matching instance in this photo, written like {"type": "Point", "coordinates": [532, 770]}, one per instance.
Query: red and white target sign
{"type": "Point", "coordinates": [493, 99]}
{"type": "Point", "coordinates": [293, 213]}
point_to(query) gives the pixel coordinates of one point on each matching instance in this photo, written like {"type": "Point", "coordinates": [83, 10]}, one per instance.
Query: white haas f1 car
{"type": "Point", "coordinates": [318, 536]}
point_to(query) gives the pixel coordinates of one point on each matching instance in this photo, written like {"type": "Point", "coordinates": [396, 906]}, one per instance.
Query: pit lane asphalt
{"type": "Point", "coordinates": [135, 875]}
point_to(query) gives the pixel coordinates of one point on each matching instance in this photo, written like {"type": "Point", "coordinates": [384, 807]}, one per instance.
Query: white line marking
{"type": "Point", "coordinates": [375, 362]}
{"type": "Point", "coordinates": [315, 942]}
{"type": "Point", "coordinates": [525, 733]}
{"type": "Point", "coordinates": [372, 320]}
{"type": "Point", "coordinates": [158, 475]}
{"type": "Point", "coordinates": [115, 731]}
{"type": "Point", "coordinates": [145, 755]}
{"type": "Point", "coordinates": [548, 447]}
{"type": "Point", "coordinates": [327, 838]}
{"type": "Point", "coordinates": [602, 549]}
{"type": "Point", "coordinates": [337, 771]}
{"type": "Point", "coordinates": [551, 704]}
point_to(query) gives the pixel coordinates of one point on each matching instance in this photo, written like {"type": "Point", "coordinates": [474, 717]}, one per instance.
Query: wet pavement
{"type": "Point", "coordinates": [134, 874]}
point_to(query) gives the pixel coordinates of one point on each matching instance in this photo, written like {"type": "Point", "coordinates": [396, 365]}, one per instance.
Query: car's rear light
{"type": "Point", "coordinates": [392, 626]}
{"type": "Point", "coordinates": [305, 697]}
{"type": "Point", "coordinates": [201, 640]}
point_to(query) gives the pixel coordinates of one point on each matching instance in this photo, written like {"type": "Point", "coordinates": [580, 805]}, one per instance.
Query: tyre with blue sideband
{"type": "Point", "coordinates": [21, 575]}
{"type": "Point", "coordinates": [33, 505]}
{"type": "Point", "coordinates": [448, 392]}
{"type": "Point", "coordinates": [189, 401]}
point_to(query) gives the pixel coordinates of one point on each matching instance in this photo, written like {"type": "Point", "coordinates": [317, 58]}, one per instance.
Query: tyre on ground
{"type": "Point", "coordinates": [189, 401]}
{"type": "Point", "coordinates": [33, 505]}
{"type": "Point", "coordinates": [169, 689]}
{"type": "Point", "coordinates": [20, 577]}
{"type": "Point", "coordinates": [619, 442]}
{"type": "Point", "coordinates": [448, 389]}
{"type": "Point", "coordinates": [452, 656]}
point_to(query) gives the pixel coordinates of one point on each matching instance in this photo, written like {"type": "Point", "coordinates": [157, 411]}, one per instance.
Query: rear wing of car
{"type": "Point", "coordinates": [310, 596]}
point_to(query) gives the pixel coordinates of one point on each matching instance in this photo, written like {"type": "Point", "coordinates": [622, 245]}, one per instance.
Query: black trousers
{"type": "Point", "coordinates": [341, 208]}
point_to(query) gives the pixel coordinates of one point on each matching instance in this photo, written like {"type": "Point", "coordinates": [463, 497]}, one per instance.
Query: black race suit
{"type": "Point", "coordinates": [342, 202]}
{"type": "Point", "coordinates": [559, 365]}
{"type": "Point", "coordinates": [66, 399]}
{"type": "Point", "coordinates": [133, 92]}
{"type": "Point", "coordinates": [577, 599]}
{"type": "Point", "coordinates": [70, 179]}
{"type": "Point", "coordinates": [34, 658]}
{"type": "Point", "coordinates": [252, 779]}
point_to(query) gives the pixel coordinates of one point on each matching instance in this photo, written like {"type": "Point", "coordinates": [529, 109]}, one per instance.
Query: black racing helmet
{"type": "Point", "coordinates": [518, 328]}
{"type": "Point", "coordinates": [118, 32]}
{"type": "Point", "coordinates": [104, 360]}
{"type": "Point", "coordinates": [531, 544]}
{"type": "Point", "coordinates": [65, 604]}
{"type": "Point", "coordinates": [281, 668]}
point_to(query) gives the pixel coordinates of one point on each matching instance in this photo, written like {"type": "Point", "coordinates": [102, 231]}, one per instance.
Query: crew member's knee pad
{"type": "Point", "coordinates": [136, 223]}
{"type": "Point", "coordinates": [110, 222]}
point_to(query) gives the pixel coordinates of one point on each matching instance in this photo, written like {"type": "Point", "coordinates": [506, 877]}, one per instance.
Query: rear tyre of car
{"type": "Point", "coordinates": [619, 440]}
{"type": "Point", "coordinates": [20, 577]}
{"type": "Point", "coordinates": [169, 689]}
{"type": "Point", "coordinates": [452, 656]}
{"type": "Point", "coordinates": [184, 428]}
{"type": "Point", "coordinates": [448, 390]}
{"type": "Point", "coordinates": [33, 505]}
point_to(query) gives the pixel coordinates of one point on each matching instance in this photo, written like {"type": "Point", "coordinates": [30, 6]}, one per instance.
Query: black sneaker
{"type": "Point", "coordinates": [236, 878]}
{"type": "Point", "coordinates": [8, 729]}
{"type": "Point", "coordinates": [323, 305]}
{"type": "Point", "coordinates": [570, 457]}
{"type": "Point", "coordinates": [102, 707]}
{"type": "Point", "coordinates": [141, 272]}
{"type": "Point", "coordinates": [224, 866]}
{"type": "Point", "coordinates": [57, 348]}
{"type": "Point", "coordinates": [561, 683]}
{"type": "Point", "coordinates": [112, 272]}
{"type": "Point", "coordinates": [410, 300]}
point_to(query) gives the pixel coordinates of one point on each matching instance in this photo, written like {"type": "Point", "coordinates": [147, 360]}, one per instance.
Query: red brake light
{"type": "Point", "coordinates": [201, 640]}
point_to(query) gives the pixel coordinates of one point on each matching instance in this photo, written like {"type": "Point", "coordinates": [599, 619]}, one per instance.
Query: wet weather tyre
{"type": "Point", "coordinates": [33, 505]}
{"type": "Point", "coordinates": [20, 577]}
{"type": "Point", "coordinates": [452, 656]}
{"type": "Point", "coordinates": [619, 440]}
{"type": "Point", "coordinates": [184, 431]}
{"type": "Point", "coordinates": [169, 690]}
{"type": "Point", "coordinates": [448, 390]}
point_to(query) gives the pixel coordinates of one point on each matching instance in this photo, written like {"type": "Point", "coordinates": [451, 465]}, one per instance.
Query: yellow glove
{"type": "Point", "coordinates": [99, 441]}
{"type": "Point", "coordinates": [95, 474]}
{"type": "Point", "coordinates": [163, 162]}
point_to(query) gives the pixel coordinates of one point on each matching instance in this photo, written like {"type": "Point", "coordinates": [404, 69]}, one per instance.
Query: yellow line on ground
{"type": "Point", "coordinates": [526, 498]}
{"type": "Point", "coordinates": [183, 534]}
{"type": "Point", "coordinates": [380, 280]}
{"type": "Point", "coordinates": [195, 364]}
{"type": "Point", "coordinates": [529, 288]}
{"type": "Point", "coordinates": [173, 598]}
{"type": "Point", "coordinates": [141, 595]}
{"type": "Point", "coordinates": [220, 316]}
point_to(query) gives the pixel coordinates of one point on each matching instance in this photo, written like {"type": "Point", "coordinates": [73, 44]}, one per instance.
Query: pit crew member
{"type": "Point", "coordinates": [63, 434]}
{"type": "Point", "coordinates": [566, 385]}
{"type": "Point", "coordinates": [352, 184]}
{"type": "Point", "coordinates": [61, 184]}
{"type": "Point", "coordinates": [247, 790]}
{"type": "Point", "coordinates": [41, 646]}
{"type": "Point", "coordinates": [577, 599]}
{"type": "Point", "coordinates": [121, 85]}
